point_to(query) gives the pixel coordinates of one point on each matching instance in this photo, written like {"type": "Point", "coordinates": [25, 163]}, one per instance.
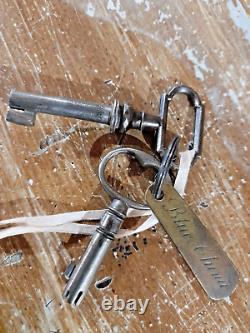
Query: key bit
{"type": "Point", "coordinates": [81, 275]}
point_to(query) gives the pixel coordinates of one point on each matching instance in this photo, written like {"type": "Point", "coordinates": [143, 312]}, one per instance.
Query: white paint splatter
{"type": "Point", "coordinates": [116, 329]}
{"type": "Point", "coordinates": [12, 259]}
{"type": "Point", "coordinates": [199, 65]}
{"type": "Point", "coordinates": [90, 10]}
{"type": "Point", "coordinates": [116, 6]}
{"type": "Point", "coordinates": [234, 98]}
{"type": "Point", "coordinates": [163, 16]}
{"type": "Point", "coordinates": [228, 300]}
{"type": "Point", "coordinates": [239, 17]}
{"type": "Point", "coordinates": [30, 182]}
{"type": "Point", "coordinates": [215, 98]}
{"type": "Point", "coordinates": [146, 4]}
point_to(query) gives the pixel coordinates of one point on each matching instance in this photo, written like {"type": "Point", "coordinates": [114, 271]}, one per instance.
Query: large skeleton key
{"type": "Point", "coordinates": [23, 108]}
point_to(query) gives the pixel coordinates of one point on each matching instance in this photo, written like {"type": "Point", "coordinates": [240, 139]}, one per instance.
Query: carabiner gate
{"type": "Point", "coordinates": [166, 98]}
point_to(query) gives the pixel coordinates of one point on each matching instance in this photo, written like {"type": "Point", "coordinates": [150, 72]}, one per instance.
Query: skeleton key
{"type": "Point", "coordinates": [120, 118]}
{"type": "Point", "coordinates": [82, 274]}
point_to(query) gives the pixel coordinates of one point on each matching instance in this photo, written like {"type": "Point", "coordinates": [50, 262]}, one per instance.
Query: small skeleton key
{"type": "Point", "coordinates": [82, 274]}
{"type": "Point", "coordinates": [120, 118]}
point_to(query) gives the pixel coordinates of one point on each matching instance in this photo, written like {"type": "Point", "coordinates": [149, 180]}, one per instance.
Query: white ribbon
{"type": "Point", "coordinates": [67, 222]}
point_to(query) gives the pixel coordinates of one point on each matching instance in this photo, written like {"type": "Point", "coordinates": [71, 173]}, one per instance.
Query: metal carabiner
{"type": "Point", "coordinates": [166, 98]}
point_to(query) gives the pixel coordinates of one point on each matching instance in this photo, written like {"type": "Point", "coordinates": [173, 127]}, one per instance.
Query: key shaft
{"type": "Point", "coordinates": [83, 273]}
{"type": "Point", "coordinates": [25, 106]}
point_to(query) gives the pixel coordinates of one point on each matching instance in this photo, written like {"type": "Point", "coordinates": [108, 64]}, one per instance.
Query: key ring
{"type": "Point", "coordinates": [166, 98]}
{"type": "Point", "coordinates": [161, 175]}
{"type": "Point", "coordinates": [145, 160]}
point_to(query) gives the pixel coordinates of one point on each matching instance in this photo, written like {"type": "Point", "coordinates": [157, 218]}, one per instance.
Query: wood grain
{"type": "Point", "coordinates": [70, 48]}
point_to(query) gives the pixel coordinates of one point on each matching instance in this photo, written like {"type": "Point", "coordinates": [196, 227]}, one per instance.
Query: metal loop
{"type": "Point", "coordinates": [166, 98]}
{"type": "Point", "coordinates": [161, 175]}
{"type": "Point", "coordinates": [144, 159]}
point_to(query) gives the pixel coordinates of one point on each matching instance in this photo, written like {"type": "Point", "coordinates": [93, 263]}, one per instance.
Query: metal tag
{"type": "Point", "coordinates": [205, 257]}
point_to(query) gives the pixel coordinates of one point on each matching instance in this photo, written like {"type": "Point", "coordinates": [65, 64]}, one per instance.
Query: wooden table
{"type": "Point", "coordinates": [132, 51]}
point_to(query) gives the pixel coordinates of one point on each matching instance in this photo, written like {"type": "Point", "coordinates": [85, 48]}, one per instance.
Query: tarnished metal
{"type": "Point", "coordinates": [164, 168]}
{"type": "Point", "coordinates": [144, 159]}
{"type": "Point", "coordinates": [80, 275]}
{"type": "Point", "coordinates": [196, 140]}
{"type": "Point", "coordinates": [25, 106]}
{"type": "Point", "coordinates": [207, 260]}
